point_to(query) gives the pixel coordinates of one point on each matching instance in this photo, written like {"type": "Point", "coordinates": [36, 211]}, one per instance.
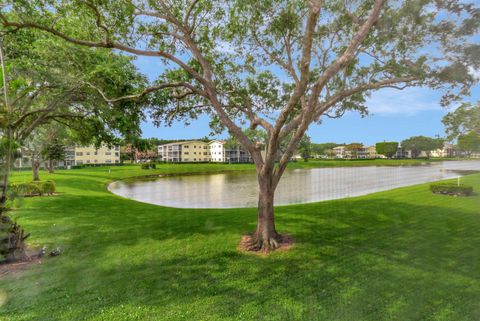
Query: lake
{"type": "Point", "coordinates": [239, 189]}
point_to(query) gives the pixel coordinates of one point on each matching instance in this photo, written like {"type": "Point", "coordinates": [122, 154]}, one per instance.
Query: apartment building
{"type": "Point", "coordinates": [187, 151]}
{"type": "Point", "coordinates": [76, 155]}
{"type": "Point", "coordinates": [343, 152]}
{"type": "Point", "coordinates": [222, 152]}
{"type": "Point", "coordinates": [92, 155]}
{"type": "Point", "coordinates": [198, 151]}
{"type": "Point", "coordinates": [448, 150]}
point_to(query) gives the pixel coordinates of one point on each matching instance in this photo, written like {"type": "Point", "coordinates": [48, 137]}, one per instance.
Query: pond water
{"type": "Point", "coordinates": [239, 189]}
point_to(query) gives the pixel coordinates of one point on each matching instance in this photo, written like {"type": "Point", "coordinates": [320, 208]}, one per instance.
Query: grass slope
{"type": "Point", "coordinates": [398, 255]}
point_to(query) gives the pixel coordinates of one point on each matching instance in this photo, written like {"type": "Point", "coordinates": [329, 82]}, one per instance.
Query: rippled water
{"type": "Point", "coordinates": [239, 189]}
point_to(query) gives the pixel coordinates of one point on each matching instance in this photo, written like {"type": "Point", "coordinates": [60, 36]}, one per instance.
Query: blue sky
{"type": "Point", "coordinates": [395, 115]}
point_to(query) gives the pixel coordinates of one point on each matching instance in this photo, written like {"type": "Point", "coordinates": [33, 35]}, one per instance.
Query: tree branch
{"type": "Point", "coordinates": [147, 91]}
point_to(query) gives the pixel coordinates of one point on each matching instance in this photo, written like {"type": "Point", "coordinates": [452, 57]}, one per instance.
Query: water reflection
{"type": "Point", "coordinates": [230, 190]}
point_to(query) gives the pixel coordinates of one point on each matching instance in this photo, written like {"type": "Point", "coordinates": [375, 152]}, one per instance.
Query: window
{"type": "Point", "coordinates": [186, 146]}
{"type": "Point", "coordinates": [88, 161]}
{"type": "Point", "coordinates": [88, 153]}
{"type": "Point", "coordinates": [95, 153]}
{"type": "Point", "coordinates": [185, 153]}
{"type": "Point", "coordinates": [117, 154]}
{"type": "Point", "coordinates": [194, 146]}
{"type": "Point", "coordinates": [108, 153]}
{"type": "Point", "coordinates": [108, 161]}
{"type": "Point", "coordinates": [79, 154]}
{"type": "Point", "coordinates": [195, 159]}
{"type": "Point", "coordinates": [195, 153]}
{"type": "Point", "coordinates": [185, 159]}
{"type": "Point", "coordinates": [79, 162]}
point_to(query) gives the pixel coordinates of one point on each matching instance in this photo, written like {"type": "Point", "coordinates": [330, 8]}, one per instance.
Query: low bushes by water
{"type": "Point", "coordinates": [33, 188]}
{"type": "Point", "coordinates": [452, 189]}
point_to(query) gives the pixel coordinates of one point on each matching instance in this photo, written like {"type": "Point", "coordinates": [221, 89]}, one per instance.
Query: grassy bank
{"type": "Point", "coordinates": [404, 254]}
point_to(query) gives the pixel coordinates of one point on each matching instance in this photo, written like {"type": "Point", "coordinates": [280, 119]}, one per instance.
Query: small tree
{"type": "Point", "coordinates": [54, 152]}
{"type": "Point", "coordinates": [419, 144]}
{"type": "Point", "coordinates": [322, 149]}
{"type": "Point", "coordinates": [388, 149]}
{"type": "Point", "coordinates": [305, 148]}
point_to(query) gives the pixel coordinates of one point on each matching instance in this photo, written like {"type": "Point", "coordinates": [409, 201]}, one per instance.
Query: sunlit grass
{"type": "Point", "coordinates": [404, 254]}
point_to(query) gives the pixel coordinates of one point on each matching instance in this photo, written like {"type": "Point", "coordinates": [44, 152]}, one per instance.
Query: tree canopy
{"type": "Point", "coordinates": [469, 143]}
{"type": "Point", "coordinates": [418, 144]}
{"type": "Point", "coordinates": [464, 120]}
{"type": "Point", "coordinates": [388, 149]}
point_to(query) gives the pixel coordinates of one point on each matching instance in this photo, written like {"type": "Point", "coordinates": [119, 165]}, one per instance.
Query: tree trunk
{"type": "Point", "coordinates": [5, 171]}
{"type": "Point", "coordinates": [35, 170]}
{"type": "Point", "coordinates": [51, 166]}
{"type": "Point", "coordinates": [265, 238]}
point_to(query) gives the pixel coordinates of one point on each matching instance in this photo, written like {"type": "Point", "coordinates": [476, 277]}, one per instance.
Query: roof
{"type": "Point", "coordinates": [217, 141]}
{"type": "Point", "coordinates": [183, 143]}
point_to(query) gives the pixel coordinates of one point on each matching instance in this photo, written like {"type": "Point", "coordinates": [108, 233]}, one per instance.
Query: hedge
{"type": "Point", "coordinates": [81, 166]}
{"type": "Point", "coordinates": [33, 188]}
{"type": "Point", "coordinates": [452, 189]}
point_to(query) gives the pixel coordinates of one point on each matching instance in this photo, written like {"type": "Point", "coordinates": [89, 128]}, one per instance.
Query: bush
{"type": "Point", "coordinates": [33, 188]}
{"type": "Point", "coordinates": [48, 187]}
{"type": "Point", "coordinates": [451, 189]}
{"type": "Point", "coordinates": [150, 165]}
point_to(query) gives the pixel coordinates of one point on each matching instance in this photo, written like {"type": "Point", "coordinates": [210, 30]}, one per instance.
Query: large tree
{"type": "Point", "coordinates": [275, 64]}
{"type": "Point", "coordinates": [44, 81]}
{"type": "Point", "coordinates": [469, 143]}
{"type": "Point", "coordinates": [419, 144]}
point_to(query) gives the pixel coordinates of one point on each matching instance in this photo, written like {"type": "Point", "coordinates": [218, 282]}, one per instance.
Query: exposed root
{"type": "Point", "coordinates": [256, 244]}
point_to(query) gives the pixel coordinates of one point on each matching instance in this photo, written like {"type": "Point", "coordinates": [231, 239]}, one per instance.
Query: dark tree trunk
{"type": "Point", "coordinates": [35, 170]}
{"type": "Point", "coordinates": [51, 166]}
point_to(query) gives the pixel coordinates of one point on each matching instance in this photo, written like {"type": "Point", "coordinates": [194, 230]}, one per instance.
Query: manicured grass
{"type": "Point", "coordinates": [405, 254]}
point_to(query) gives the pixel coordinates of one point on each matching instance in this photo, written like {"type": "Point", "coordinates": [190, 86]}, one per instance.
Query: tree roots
{"type": "Point", "coordinates": [258, 244]}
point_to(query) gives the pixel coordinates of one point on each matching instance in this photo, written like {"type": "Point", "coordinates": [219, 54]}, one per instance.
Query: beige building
{"type": "Point", "coordinates": [198, 151]}
{"type": "Point", "coordinates": [448, 150]}
{"type": "Point", "coordinates": [342, 152]}
{"type": "Point", "coordinates": [93, 155]}
{"type": "Point", "coordinates": [188, 151]}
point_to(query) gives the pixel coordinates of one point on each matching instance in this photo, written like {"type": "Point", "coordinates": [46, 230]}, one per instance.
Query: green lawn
{"type": "Point", "coordinates": [398, 255]}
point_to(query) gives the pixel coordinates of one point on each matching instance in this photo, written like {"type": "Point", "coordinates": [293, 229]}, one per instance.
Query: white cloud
{"type": "Point", "coordinates": [475, 73]}
{"type": "Point", "coordinates": [408, 102]}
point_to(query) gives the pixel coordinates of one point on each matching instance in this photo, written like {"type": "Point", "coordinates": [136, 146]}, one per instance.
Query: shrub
{"type": "Point", "coordinates": [150, 165]}
{"type": "Point", "coordinates": [33, 188]}
{"type": "Point", "coordinates": [48, 187]}
{"type": "Point", "coordinates": [451, 189]}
